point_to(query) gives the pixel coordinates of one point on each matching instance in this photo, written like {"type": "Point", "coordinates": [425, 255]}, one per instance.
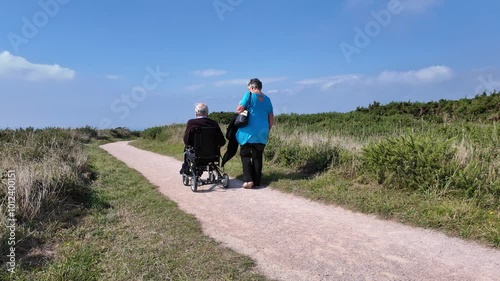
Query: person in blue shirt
{"type": "Point", "coordinates": [253, 137]}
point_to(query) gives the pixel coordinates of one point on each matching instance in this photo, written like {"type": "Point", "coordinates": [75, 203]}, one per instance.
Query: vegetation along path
{"type": "Point", "coordinates": [292, 238]}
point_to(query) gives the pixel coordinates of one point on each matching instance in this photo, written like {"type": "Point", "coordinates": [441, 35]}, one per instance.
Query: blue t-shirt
{"type": "Point", "coordinates": [257, 129]}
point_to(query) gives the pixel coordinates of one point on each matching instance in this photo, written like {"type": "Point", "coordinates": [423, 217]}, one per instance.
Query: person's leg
{"type": "Point", "coordinates": [246, 162]}
{"type": "Point", "coordinates": [258, 150]}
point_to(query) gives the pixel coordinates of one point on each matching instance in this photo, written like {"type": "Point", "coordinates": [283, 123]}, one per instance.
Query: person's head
{"type": "Point", "coordinates": [201, 109]}
{"type": "Point", "coordinates": [254, 84]}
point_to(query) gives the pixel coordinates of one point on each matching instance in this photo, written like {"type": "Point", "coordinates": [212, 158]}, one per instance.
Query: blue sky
{"type": "Point", "coordinates": [71, 63]}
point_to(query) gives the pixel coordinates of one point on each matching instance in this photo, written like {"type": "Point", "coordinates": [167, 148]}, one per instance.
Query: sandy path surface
{"type": "Point", "coordinates": [293, 238]}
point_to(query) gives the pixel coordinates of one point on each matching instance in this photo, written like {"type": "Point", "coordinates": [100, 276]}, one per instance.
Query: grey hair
{"type": "Point", "coordinates": [201, 109]}
{"type": "Point", "coordinates": [255, 83]}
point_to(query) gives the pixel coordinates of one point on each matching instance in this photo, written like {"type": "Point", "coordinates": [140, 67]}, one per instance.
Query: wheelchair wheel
{"type": "Point", "coordinates": [185, 179]}
{"type": "Point", "coordinates": [194, 182]}
{"type": "Point", "coordinates": [211, 177]}
{"type": "Point", "coordinates": [225, 181]}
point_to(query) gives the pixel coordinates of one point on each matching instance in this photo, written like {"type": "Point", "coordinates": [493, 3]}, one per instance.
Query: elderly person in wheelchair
{"type": "Point", "coordinates": [203, 139]}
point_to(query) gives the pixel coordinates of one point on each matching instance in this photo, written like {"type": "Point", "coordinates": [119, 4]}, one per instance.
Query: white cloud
{"type": "Point", "coordinates": [272, 91]}
{"type": "Point", "coordinates": [330, 81]}
{"type": "Point", "coordinates": [419, 6]}
{"type": "Point", "coordinates": [14, 67]}
{"type": "Point", "coordinates": [240, 82]}
{"type": "Point", "coordinates": [210, 72]}
{"type": "Point", "coordinates": [424, 76]}
{"type": "Point", "coordinates": [112, 77]}
{"type": "Point", "coordinates": [244, 81]}
{"type": "Point", "coordinates": [431, 74]}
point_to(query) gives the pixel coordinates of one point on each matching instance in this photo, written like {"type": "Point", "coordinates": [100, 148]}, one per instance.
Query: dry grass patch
{"type": "Point", "coordinates": [135, 233]}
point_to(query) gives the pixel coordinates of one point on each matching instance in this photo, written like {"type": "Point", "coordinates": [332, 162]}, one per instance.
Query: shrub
{"type": "Point", "coordinates": [87, 133]}
{"type": "Point", "coordinates": [169, 134]}
{"type": "Point", "coordinates": [152, 133]}
{"type": "Point", "coordinates": [307, 159]}
{"type": "Point", "coordinates": [271, 146]}
{"type": "Point", "coordinates": [420, 162]}
{"type": "Point", "coordinates": [50, 164]}
{"type": "Point", "coordinates": [117, 133]}
{"type": "Point", "coordinates": [414, 162]}
{"type": "Point", "coordinates": [320, 158]}
{"type": "Point", "coordinates": [222, 117]}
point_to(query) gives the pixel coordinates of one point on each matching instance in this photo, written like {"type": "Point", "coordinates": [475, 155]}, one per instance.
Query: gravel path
{"type": "Point", "coordinates": [292, 238]}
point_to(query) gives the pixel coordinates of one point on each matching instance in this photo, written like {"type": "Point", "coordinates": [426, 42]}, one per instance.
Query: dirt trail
{"type": "Point", "coordinates": [293, 238]}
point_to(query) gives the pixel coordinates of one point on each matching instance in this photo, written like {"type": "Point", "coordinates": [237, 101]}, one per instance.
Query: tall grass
{"type": "Point", "coordinates": [49, 165]}
{"type": "Point", "coordinates": [374, 158]}
{"type": "Point", "coordinates": [122, 236]}
{"type": "Point", "coordinates": [397, 151]}
{"type": "Point", "coordinates": [169, 134]}
{"type": "Point", "coordinates": [52, 179]}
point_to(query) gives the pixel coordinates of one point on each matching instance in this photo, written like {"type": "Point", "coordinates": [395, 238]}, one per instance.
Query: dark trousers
{"type": "Point", "coordinates": [251, 160]}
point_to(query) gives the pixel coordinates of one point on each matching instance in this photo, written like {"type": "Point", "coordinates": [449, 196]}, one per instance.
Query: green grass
{"type": "Point", "coordinates": [461, 217]}
{"type": "Point", "coordinates": [130, 232]}
{"type": "Point", "coordinates": [453, 216]}
{"type": "Point", "coordinates": [163, 147]}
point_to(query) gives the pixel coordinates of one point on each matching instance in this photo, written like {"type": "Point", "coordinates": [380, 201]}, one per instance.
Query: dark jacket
{"type": "Point", "coordinates": [232, 146]}
{"type": "Point", "coordinates": [202, 122]}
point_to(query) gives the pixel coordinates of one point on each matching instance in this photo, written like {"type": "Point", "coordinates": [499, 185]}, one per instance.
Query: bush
{"type": "Point", "coordinates": [170, 134]}
{"type": "Point", "coordinates": [413, 162]}
{"type": "Point", "coordinates": [87, 133]}
{"type": "Point", "coordinates": [50, 164]}
{"type": "Point", "coordinates": [306, 159]}
{"type": "Point", "coordinates": [222, 117]}
{"type": "Point", "coordinates": [151, 133]}
{"type": "Point", "coordinates": [478, 108]}
{"type": "Point", "coordinates": [117, 133]}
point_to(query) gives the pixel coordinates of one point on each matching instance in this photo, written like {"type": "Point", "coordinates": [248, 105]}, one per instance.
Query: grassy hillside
{"type": "Point", "coordinates": [433, 165]}
{"type": "Point", "coordinates": [79, 216]}
{"type": "Point", "coordinates": [482, 107]}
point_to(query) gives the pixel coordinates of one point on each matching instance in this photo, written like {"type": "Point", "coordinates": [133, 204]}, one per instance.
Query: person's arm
{"type": "Point", "coordinates": [244, 100]}
{"type": "Point", "coordinates": [240, 109]}
{"type": "Point", "coordinates": [270, 119]}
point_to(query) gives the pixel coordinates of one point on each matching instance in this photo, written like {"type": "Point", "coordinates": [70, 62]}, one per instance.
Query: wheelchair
{"type": "Point", "coordinates": [204, 156]}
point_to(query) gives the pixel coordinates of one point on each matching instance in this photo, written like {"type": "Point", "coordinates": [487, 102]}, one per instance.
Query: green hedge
{"type": "Point", "coordinates": [308, 160]}
{"type": "Point", "coordinates": [421, 162]}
